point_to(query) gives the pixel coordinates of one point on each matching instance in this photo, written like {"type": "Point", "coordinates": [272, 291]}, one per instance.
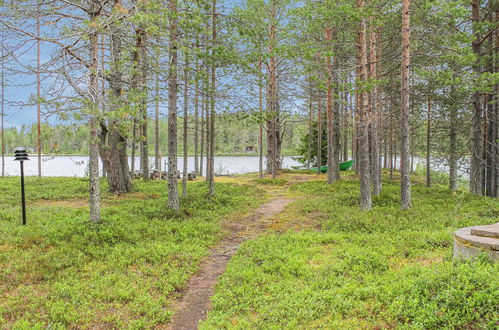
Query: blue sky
{"type": "Point", "coordinates": [19, 88]}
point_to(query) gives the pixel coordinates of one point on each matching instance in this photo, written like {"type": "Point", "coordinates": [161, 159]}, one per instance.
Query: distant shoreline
{"type": "Point", "coordinates": [179, 155]}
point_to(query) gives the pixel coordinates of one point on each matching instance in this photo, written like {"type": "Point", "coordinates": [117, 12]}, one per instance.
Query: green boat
{"type": "Point", "coordinates": [345, 166]}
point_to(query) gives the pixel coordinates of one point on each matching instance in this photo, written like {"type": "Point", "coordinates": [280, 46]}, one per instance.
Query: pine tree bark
{"type": "Point", "coordinates": [211, 182]}
{"type": "Point", "coordinates": [207, 100]}
{"type": "Point", "coordinates": [157, 142]}
{"type": "Point", "coordinates": [490, 143]}
{"type": "Point", "coordinates": [353, 120]}
{"type": "Point", "coordinates": [260, 120]}
{"type": "Point", "coordinates": [319, 131]}
{"type": "Point", "coordinates": [144, 153]}
{"type": "Point", "coordinates": [336, 132]}
{"type": "Point", "coordinates": [2, 119]}
{"type": "Point", "coordinates": [453, 148]}
{"type": "Point", "coordinates": [363, 125]}
{"type": "Point", "coordinates": [375, 110]}
{"type": "Point", "coordinates": [103, 90]}
{"type": "Point", "coordinates": [133, 146]}
{"type": "Point", "coordinates": [93, 124]}
{"type": "Point", "coordinates": [392, 141]}
{"type": "Point", "coordinates": [310, 120]}
{"type": "Point", "coordinates": [196, 118]}
{"type": "Point", "coordinates": [405, 175]}
{"type": "Point", "coordinates": [272, 96]}
{"type": "Point", "coordinates": [202, 140]}
{"type": "Point", "coordinates": [38, 93]}
{"type": "Point", "coordinates": [329, 110]}
{"type": "Point", "coordinates": [185, 125]}
{"type": "Point", "coordinates": [428, 144]}
{"type": "Point", "coordinates": [346, 126]}
{"type": "Point", "coordinates": [476, 161]}
{"type": "Point", "coordinates": [173, 200]}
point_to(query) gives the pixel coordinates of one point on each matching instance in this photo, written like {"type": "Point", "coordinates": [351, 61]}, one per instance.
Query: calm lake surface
{"type": "Point", "coordinates": [76, 166]}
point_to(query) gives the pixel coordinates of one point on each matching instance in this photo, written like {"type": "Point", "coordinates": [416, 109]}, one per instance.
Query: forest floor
{"type": "Point", "coordinates": [325, 264]}
{"type": "Point", "coordinates": [195, 302]}
{"type": "Point", "coordinates": [292, 252]}
{"type": "Point", "coordinates": [60, 271]}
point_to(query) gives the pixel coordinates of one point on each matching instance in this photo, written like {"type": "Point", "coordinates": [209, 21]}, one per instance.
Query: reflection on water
{"type": "Point", "coordinates": [77, 165]}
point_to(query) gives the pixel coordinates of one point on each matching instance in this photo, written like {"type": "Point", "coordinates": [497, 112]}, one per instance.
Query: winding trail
{"type": "Point", "coordinates": [195, 303]}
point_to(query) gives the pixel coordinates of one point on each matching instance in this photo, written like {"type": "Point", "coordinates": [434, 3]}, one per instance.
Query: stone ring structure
{"type": "Point", "coordinates": [471, 241]}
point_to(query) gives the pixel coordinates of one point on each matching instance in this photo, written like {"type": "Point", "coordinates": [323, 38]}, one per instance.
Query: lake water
{"type": "Point", "coordinates": [76, 166]}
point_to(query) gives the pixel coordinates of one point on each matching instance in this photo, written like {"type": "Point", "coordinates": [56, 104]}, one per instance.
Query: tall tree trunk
{"type": "Point", "coordinates": [319, 131]}
{"type": "Point", "coordinates": [495, 117]}
{"type": "Point", "coordinates": [113, 144]}
{"type": "Point", "coordinates": [490, 144]}
{"type": "Point", "coordinates": [353, 119]}
{"type": "Point", "coordinates": [133, 146]}
{"type": "Point", "coordinates": [272, 130]}
{"type": "Point", "coordinates": [196, 118]}
{"type": "Point", "coordinates": [173, 200]}
{"type": "Point", "coordinates": [385, 149]}
{"type": "Point", "coordinates": [329, 110]}
{"type": "Point", "coordinates": [157, 141]}
{"type": "Point", "coordinates": [310, 120]}
{"type": "Point", "coordinates": [363, 125]}
{"type": "Point", "coordinates": [185, 122]}
{"type": "Point", "coordinates": [38, 93]}
{"type": "Point", "coordinates": [453, 147]}
{"type": "Point", "coordinates": [202, 140]}
{"type": "Point", "coordinates": [405, 175]}
{"type": "Point", "coordinates": [491, 148]}
{"type": "Point", "coordinates": [396, 161]}
{"type": "Point", "coordinates": [103, 91]}
{"type": "Point", "coordinates": [375, 110]}
{"type": "Point", "coordinates": [93, 124]}
{"type": "Point", "coordinates": [211, 183]}
{"type": "Point", "coordinates": [144, 153]}
{"type": "Point", "coordinates": [428, 144]}
{"type": "Point", "coordinates": [346, 126]}
{"type": "Point", "coordinates": [412, 148]}
{"type": "Point", "coordinates": [112, 150]}
{"type": "Point", "coordinates": [336, 132]}
{"type": "Point", "coordinates": [392, 142]}
{"type": "Point", "coordinates": [207, 100]}
{"type": "Point", "coordinates": [260, 120]}
{"type": "Point", "coordinates": [476, 167]}
{"type": "Point", "coordinates": [274, 137]}
{"type": "Point", "coordinates": [2, 69]}
{"type": "Point", "coordinates": [279, 132]}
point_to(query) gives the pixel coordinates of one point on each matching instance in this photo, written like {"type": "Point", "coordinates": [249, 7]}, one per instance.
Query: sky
{"type": "Point", "coordinates": [20, 88]}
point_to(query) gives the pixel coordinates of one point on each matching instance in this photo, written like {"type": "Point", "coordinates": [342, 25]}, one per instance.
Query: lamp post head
{"type": "Point", "coordinates": [20, 154]}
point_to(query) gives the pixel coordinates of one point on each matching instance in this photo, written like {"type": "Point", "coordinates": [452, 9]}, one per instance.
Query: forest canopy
{"type": "Point", "coordinates": [376, 81]}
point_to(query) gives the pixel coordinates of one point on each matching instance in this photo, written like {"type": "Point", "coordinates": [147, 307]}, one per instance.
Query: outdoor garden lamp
{"type": "Point", "coordinates": [21, 155]}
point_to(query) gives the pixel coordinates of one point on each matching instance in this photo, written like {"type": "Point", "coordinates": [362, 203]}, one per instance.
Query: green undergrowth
{"type": "Point", "coordinates": [60, 271]}
{"type": "Point", "coordinates": [271, 182]}
{"type": "Point", "coordinates": [385, 268]}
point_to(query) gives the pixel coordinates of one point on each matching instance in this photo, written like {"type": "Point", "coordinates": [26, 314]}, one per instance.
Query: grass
{"type": "Point", "coordinates": [328, 265]}
{"type": "Point", "coordinates": [271, 182]}
{"type": "Point", "coordinates": [60, 271]}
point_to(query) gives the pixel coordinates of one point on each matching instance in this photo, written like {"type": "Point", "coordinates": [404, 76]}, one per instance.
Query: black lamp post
{"type": "Point", "coordinates": [21, 155]}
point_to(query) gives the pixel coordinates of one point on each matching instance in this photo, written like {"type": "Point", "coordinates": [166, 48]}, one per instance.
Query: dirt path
{"type": "Point", "coordinates": [195, 303]}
